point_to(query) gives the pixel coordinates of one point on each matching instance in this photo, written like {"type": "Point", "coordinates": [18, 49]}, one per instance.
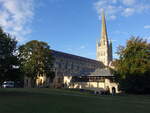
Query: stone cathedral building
{"type": "Point", "coordinates": [73, 71]}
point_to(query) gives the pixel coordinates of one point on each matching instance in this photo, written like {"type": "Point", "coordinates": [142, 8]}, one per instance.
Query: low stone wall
{"type": "Point", "coordinates": [95, 86]}
{"type": "Point", "coordinates": [107, 85]}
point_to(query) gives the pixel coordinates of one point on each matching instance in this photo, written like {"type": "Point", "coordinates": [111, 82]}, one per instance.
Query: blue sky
{"type": "Point", "coordinates": [73, 26]}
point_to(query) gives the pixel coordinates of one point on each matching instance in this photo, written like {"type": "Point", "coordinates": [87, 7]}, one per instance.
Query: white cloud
{"type": "Point", "coordinates": [114, 8]}
{"type": "Point", "coordinates": [69, 49]}
{"type": "Point", "coordinates": [129, 2]}
{"type": "Point", "coordinates": [128, 11]}
{"type": "Point", "coordinates": [112, 40]}
{"type": "Point", "coordinates": [16, 16]}
{"type": "Point", "coordinates": [147, 38]}
{"type": "Point", "coordinates": [113, 17]}
{"type": "Point", "coordinates": [109, 7]}
{"type": "Point", "coordinates": [82, 47]}
{"type": "Point", "coordinates": [147, 26]}
{"type": "Point", "coordinates": [120, 32]}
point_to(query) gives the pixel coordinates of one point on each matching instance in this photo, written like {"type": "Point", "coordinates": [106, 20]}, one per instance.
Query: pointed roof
{"type": "Point", "coordinates": [104, 28]}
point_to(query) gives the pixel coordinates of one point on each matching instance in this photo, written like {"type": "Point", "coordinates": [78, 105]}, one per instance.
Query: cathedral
{"type": "Point", "coordinates": [73, 71]}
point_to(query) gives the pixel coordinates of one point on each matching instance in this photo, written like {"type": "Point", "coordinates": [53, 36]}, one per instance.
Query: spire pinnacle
{"type": "Point", "coordinates": [104, 29]}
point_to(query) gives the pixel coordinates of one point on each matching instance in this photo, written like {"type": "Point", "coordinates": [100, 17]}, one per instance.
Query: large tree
{"type": "Point", "coordinates": [8, 59]}
{"type": "Point", "coordinates": [133, 66]}
{"type": "Point", "coordinates": [36, 59]}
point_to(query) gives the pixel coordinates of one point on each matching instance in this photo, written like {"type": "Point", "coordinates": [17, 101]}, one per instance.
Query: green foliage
{"type": "Point", "coordinates": [133, 66]}
{"type": "Point", "coordinates": [8, 61]}
{"type": "Point", "coordinates": [36, 59]}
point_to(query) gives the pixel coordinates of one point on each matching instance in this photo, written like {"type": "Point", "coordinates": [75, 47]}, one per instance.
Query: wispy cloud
{"type": "Point", "coordinates": [147, 27]}
{"type": "Point", "coordinates": [16, 16]}
{"type": "Point", "coordinates": [128, 11]}
{"type": "Point", "coordinates": [112, 40]}
{"type": "Point", "coordinates": [82, 47]}
{"type": "Point", "coordinates": [114, 8]}
{"type": "Point", "coordinates": [118, 32]}
{"type": "Point", "coordinates": [128, 2]}
{"type": "Point", "coordinates": [147, 38]}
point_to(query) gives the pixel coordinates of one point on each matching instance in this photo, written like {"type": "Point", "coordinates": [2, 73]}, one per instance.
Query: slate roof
{"type": "Point", "coordinates": [75, 57]}
{"type": "Point", "coordinates": [84, 72]}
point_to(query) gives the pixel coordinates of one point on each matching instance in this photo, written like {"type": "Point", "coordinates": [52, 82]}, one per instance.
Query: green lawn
{"type": "Point", "coordinates": [65, 101]}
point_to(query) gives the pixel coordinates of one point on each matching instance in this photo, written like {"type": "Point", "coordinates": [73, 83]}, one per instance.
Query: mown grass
{"type": "Point", "coordinates": [66, 101]}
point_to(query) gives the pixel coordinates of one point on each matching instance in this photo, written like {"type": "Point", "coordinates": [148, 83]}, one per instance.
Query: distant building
{"type": "Point", "coordinates": [73, 71]}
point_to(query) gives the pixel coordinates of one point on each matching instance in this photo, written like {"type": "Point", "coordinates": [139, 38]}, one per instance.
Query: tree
{"type": "Point", "coordinates": [8, 59]}
{"type": "Point", "coordinates": [133, 66]}
{"type": "Point", "coordinates": [36, 60]}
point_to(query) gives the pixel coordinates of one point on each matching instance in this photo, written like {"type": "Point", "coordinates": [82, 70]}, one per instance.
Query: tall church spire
{"type": "Point", "coordinates": [104, 48]}
{"type": "Point", "coordinates": [104, 38]}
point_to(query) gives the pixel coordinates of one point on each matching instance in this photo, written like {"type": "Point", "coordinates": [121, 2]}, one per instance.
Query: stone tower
{"type": "Point", "coordinates": [104, 47]}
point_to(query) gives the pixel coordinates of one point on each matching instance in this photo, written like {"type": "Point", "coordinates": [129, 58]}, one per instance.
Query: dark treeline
{"type": "Point", "coordinates": [8, 60]}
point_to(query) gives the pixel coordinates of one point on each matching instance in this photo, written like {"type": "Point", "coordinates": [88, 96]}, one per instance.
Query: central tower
{"type": "Point", "coordinates": [104, 47]}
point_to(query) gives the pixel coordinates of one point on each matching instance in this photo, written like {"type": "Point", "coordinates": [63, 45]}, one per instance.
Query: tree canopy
{"type": "Point", "coordinates": [36, 59]}
{"type": "Point", "coordinates": [133, 66]}
{"type": "Point", "coordinates": [8, 59]}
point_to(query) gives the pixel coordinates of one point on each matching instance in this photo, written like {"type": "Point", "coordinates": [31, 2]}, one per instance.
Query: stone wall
{"type": "Point", "coordinates": [105, 85]}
